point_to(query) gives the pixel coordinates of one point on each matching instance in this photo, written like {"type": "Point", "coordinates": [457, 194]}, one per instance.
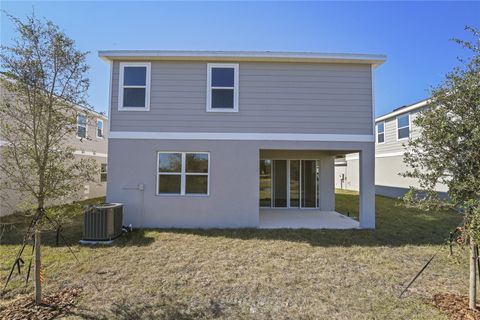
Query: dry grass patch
{"type": "Point", "coordinates": [261, 274]}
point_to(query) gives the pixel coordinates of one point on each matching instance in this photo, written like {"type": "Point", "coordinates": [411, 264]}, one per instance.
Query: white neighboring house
{"type": "Point", "coordinates": [90, 141]}
{"type": "Point", "coordinates": [393, 131]}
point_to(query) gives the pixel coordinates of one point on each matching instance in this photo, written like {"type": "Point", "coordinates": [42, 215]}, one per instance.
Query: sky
{"type": "Point", "coordinates": [415, 36]}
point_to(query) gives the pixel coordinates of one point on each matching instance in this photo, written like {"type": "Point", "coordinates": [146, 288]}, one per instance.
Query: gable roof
{"type": "Point", "coordinates": [403, 109]}
{"type": "Point", "coordinates": [272, 56]}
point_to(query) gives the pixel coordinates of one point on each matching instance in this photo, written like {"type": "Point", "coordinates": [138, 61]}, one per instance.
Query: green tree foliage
{"type": "Point", "coordinates": [448, 149]}
{"type": "Point", "coordinates": [43, 81]}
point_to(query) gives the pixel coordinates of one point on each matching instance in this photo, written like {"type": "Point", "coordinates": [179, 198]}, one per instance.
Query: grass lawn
{"type": "Point", "coordinates": [257, 274]}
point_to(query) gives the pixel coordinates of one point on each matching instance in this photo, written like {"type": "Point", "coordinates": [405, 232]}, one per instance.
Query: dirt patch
{"type": "Point", "coordinates": [455, 306]}
{"type": "Point", "coordinates": [53, 305]}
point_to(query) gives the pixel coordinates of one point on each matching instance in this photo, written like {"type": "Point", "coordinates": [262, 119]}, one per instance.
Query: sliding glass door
{"type": "Point", "coordinates": [309, 184]}
{"type": "Point", "coordinates": [280, 183]}
{"type": "Point", "coordinates": [265, 183]}
{"type": "Point", "coordinates": [294, 183]}
{"type": "Point", "coordinates": [289, 183]}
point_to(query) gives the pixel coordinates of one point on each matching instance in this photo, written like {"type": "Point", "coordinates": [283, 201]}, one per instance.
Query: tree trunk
{"type": "Point", "coordinates": [38, 283]}
{"type": "Point", "coordinates": [57, 238]}
{"type": "Point", "coordinates": [473, 275]}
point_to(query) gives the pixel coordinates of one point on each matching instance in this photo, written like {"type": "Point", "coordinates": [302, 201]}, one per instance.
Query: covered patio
{"type": "Point", "coordinates": [297, 190]}
{"type": "Point", "coordinates": [272, 218]}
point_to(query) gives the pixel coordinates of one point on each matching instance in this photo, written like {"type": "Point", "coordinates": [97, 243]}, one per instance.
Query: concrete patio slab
{"type": "Point", "coordinates": [304, 218]}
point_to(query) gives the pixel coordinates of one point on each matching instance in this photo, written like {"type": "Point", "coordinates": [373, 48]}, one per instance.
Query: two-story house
{"type": "Point", "coordinates": [89, 141]}
{"type": "Point", "coordinates": [202, 139]}
{"type": "Point", "coordinates": [392, 134]}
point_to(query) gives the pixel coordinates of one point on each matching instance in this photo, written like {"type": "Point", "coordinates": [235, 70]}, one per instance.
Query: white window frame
{"type": "Point", "coordinates": [86, 126]}
{"type": "Point", "coordinates": [103, 129]}
{"type": "Point", "coordinates": [235, 67]}
{"type": "Point", "coordinates": [409, 125]}
{"type": "Point", "coordinates": [103, 172]}
{"type": "Point", "coordinates": [377, 133]}
{"type": "Point", "coordinates": [183, 174]}
{"type": "Point", "coordinates": [146, 86]}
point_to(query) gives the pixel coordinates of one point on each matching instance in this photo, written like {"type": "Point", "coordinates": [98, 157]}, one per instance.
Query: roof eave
{"type": "Point", "coordinates": [407, 109]}
{"type": "Point", "coordinates": [124, 55]}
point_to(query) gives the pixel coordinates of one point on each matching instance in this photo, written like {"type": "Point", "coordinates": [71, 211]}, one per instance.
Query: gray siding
{"type": "Point", "coordinates": [273, 97]}
{"type": "Point", "coordinates": [391, 143]}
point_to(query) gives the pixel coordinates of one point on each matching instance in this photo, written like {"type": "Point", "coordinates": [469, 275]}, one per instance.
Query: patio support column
{"type": "Point", "coordinates": [367, 187]}
{"type": "Point", "coordinates": [327, 183]}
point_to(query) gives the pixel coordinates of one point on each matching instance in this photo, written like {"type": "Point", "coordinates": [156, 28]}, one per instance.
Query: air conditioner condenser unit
{"type": "Point", "coordinates": [102, 222]}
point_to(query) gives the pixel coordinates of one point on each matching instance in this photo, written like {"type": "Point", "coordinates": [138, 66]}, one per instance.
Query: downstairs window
{"type": "Point", "coordinates": [103, 172]}
{"type": "Point", "coordinates": [183, 173]}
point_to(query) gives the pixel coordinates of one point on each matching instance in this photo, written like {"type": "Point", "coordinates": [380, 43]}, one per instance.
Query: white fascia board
{"type": "Point", "coordinates": [355, 156]}
{"type": "Point", "coordinates": [390, 154]}
{"type": "Point", "coordinates": [404, 110]}
{"type": "Point", "coordinates": [352, 156]}
{"type": "Point", "coordinates": [373, 59]}
{"type": "Point", "coordinates": [91, 111]}
{"type": "Point", "coordinates": [90, 153]}
{"type": "Point", "coordinates": [76, 152]}
{"type": "Point", "coordinates": [241, 136]}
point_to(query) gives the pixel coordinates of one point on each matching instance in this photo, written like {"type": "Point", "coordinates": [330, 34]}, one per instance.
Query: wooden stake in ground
{"type": "Point", "coordinates": [473, 276]}
{"type": "Point", "coordinates": [38, 266]}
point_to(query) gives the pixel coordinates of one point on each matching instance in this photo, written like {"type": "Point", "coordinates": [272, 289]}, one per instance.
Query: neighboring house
{"type": "Point", "coordinates": [215, 139]}
{"type": "Point", "coordinates": [393, 131]}
{"type": "Point", "coordinates": [89, 141]}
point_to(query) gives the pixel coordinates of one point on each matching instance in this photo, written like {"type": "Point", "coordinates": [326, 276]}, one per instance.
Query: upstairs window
{"type": "Point", "coordinates": [99, 128]}
{"type": "Point", "coordinates": [134, 86]}
{"type": "Point", "coordinates": [381, 132]}
{"type": "Point", "coordinates": [403, 126]}
{"type": "Point", "coordinates": [222, 87]}
{"type": "Point", "coordinates": [81, 126]}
